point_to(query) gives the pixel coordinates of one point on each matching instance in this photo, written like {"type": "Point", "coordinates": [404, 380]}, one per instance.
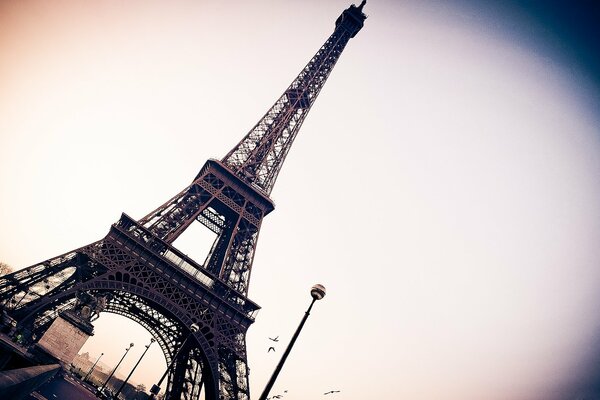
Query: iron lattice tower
{"type": "Point", "coordinates": [139, 274]}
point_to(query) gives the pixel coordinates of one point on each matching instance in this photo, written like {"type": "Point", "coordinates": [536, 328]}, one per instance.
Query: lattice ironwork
{"type": "Point", "coordinates": [135, 271]}
{"type": "Point", "coordinates": [258, 158]}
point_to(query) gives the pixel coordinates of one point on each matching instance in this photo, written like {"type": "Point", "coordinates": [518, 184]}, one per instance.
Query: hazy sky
{"type": "Point", "coordinates": [444, 187]}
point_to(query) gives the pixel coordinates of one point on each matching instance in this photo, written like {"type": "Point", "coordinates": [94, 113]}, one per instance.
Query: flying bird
{"type": "Point", "coordinates": [271, 348]}
{"type": "Point", "coordinates": [275, 339]}
{"type": "Point", "coordinates": [331, 391]}
{"type": "Point", "coordinates": [277, 396]}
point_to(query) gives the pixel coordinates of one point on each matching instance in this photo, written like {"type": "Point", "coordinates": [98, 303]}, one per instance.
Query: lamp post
{"type": "Point", "coordinates": [317, 292]}
{"type": "Point", "coordinates": [93, 366]}
{"type": "Point", "coordinates": [156, 387]}
{"type": "Point", "coordinates": [134, 367]}
{"type": "Point", "coordinates": [114, 370]}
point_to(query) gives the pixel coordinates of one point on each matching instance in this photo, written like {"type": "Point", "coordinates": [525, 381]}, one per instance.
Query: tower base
{"type": "Point", "coordinates": [66, 336]}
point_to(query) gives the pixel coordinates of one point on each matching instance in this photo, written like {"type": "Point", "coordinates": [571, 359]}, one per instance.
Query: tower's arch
{"type": "Point", "coordinates": [166, 322]}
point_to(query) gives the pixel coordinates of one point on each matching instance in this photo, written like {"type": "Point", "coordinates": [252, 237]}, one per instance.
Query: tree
{"type": "Point", "coordinates": [5, 268]}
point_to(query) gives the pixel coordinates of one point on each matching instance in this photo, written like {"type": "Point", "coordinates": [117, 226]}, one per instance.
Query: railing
{"type": "Point", "coordinates": [189, 268]}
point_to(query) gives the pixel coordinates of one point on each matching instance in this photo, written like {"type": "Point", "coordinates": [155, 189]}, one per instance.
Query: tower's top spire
{"type": "Point", "coordinates": [352, 19]}
{"type": "Point", "coordinates": [362, 4]}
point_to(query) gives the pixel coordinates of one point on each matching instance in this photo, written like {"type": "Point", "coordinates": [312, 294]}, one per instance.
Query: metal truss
{"type": "Point", "coordinates": [135, 271]}
{"type": "Point", "coordinates": [225, 205]}
{"type": "Point", "coordinates": [151, 283]}
{"type": "Point", "coordinates": [258, 158]}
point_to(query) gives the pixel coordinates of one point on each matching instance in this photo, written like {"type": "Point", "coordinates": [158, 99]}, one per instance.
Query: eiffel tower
{"type": "Point", "coordinates": [198, 312]}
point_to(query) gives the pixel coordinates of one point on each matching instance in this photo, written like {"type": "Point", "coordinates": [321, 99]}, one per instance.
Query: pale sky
{"type": "Point", "coordinates": [444, 187]}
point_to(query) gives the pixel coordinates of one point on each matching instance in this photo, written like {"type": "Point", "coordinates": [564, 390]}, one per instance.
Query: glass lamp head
{"type": "Point", "coordinates": [317, 292]}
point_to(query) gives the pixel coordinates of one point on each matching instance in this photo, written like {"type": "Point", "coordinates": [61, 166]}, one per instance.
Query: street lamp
{"type": "Point", "coordinates": [93, 366]}
{"type": "Point", "coordinates": [317, 292]}
{"type": "Point", "coordinates": [134, 367]}
{"type": "Point", "coordinates": [156, 388]}
{"type": "Point", "coordinates": [114, 370]}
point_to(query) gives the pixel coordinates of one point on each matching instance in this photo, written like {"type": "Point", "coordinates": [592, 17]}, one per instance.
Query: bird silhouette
{"type": "Point", "coordinates": [331, 391]}
{"type": "Point", "coordinates": [275, 339]}
{"type": "Point", "coordinates": [271, 348]}
{"type": "Point", "coordinates": [277, 396]}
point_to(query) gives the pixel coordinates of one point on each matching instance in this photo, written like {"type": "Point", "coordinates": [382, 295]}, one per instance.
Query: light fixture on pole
{"type": "Point", "coordinates": [114, 370]}
{"type": "Point", "coordinates": [133, 369]}
{"type": "Point", "coordinates": [93, 366]}
{"type": "Point", "coordinates": [156, 387]}
{"type": "Point", "coordinates": [317, 292]}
